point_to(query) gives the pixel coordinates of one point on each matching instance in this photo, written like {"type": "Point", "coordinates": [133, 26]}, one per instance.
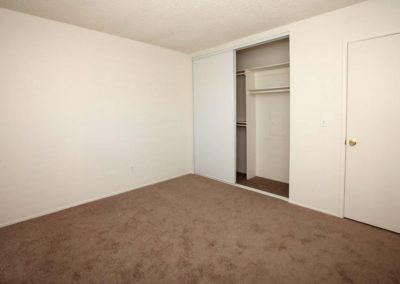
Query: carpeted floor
{"type": "Point", "coordinates": [264, 184]}
{"type": "Point", "coordinates": [195, 230]}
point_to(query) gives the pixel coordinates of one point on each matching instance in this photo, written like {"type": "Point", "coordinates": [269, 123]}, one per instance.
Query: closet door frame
{"type": "Point", "coordinates": [260, 41]}
{"type": "Point", "coordinates": [254, 43]}
{"type": "Point", "coordinates": [344, 113]}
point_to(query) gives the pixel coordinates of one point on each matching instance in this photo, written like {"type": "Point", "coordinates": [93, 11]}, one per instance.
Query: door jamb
{"type": "Point", "coordinates": [249, 45]}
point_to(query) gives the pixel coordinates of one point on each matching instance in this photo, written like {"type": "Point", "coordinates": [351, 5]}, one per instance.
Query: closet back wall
{"type": "Point", "coordinates": [85, 115]}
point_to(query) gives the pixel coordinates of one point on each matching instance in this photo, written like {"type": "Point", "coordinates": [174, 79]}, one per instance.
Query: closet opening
{"type": "Point", "coordinates": [263, 117]}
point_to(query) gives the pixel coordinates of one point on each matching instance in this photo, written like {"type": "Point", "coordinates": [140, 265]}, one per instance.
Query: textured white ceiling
{"type": "Point", "coordinates": [184, 25]}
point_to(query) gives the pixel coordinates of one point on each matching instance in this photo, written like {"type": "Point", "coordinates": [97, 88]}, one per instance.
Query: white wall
{"type": "Point", "coordinates": [317, 84]}
{"type": "Point", "coordinates": [272, 128]}
{"type": "Point", "coordinates": [79, 108]}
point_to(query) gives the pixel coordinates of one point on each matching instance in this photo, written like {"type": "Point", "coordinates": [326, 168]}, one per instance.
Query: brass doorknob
{"type": "Point", "coordinates": [352, 142]}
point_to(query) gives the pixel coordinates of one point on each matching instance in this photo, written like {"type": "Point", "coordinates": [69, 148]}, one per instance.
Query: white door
{"type": "Point", "coordinates": [372, 193]}
{"type": "Point", "coordinates": [214, 116]}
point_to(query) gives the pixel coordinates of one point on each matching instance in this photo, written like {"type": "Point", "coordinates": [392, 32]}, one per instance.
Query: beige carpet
{"type": "Point", "coordinates": [195, 230]}
{"type": "Point", "coordinates": [264, 184]}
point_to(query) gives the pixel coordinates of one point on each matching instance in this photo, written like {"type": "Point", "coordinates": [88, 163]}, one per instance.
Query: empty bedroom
{"type": "Point", "coordinates": [199, 141]}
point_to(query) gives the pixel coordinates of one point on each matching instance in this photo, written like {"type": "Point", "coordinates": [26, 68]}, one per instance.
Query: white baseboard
{"type": "Point", "coordinates": [46, 212]}
{"type": "Point", "coordinates": [274, 196]}
{"type": "Point", "coordinates": [314, 209]}
{"type": "Point", "coordinates": [261, 192]}
{"type": "Point", "coordinates": [151, 183]}
{"type": "Point", "coordinates": [213, 178]}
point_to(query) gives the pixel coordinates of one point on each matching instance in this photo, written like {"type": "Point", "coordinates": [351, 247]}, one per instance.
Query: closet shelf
{"type": "Point", "coordinates": [263, 68]}
{"type": "Point", "coordinates": [270, 67]}
{"type": "Point", "coordinates": [269, 90]}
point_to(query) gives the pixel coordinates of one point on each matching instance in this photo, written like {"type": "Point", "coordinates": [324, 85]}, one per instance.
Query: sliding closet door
{"type": "Point", "coordinates": [214, 116]}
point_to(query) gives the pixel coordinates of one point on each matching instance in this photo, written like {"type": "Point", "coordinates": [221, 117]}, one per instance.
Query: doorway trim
{"type": "Point", "coordinates": [250, 44]}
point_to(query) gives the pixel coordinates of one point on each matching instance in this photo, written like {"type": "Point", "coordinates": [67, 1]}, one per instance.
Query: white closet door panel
{"type": "Point", "coordinates": [214, 116]}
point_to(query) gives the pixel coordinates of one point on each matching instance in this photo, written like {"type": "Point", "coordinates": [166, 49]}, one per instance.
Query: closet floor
{"type": "Point", "coordinates": [264, 184]}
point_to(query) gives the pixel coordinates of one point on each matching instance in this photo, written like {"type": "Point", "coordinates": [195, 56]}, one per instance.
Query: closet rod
{"type": "Point", "coordinates": [269, 90]}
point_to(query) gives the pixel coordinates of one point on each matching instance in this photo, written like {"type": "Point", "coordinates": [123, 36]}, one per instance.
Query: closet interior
{"type": "Point", "coordinates": [263, 117]}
